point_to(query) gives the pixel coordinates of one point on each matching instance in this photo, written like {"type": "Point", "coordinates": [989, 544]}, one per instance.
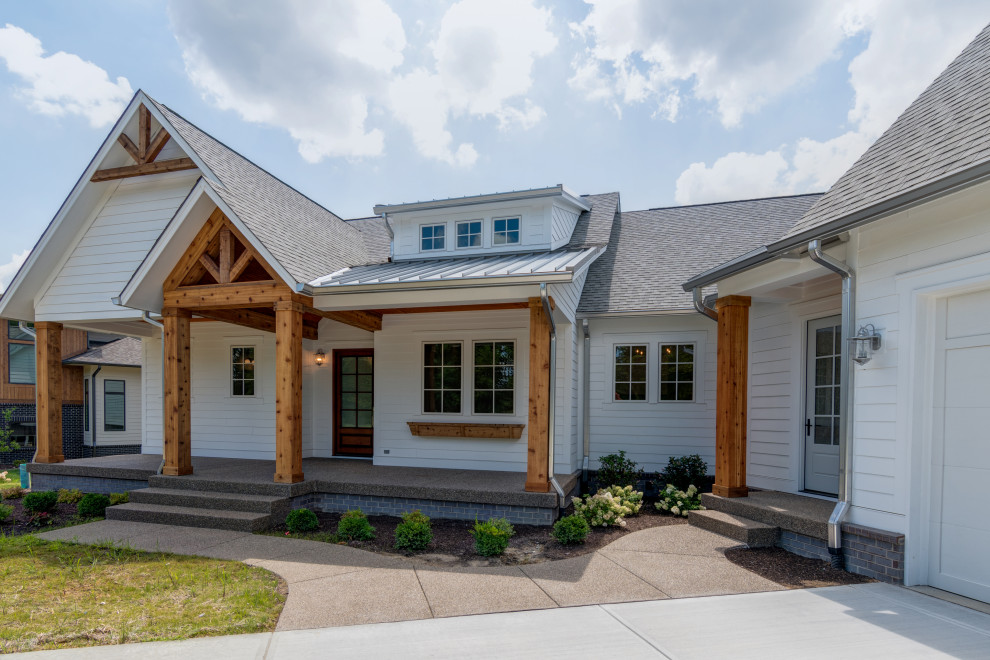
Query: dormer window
{"type": "Point", "coordinates": [505, 231]}
{"type": "Point", "coordinates": [469, 234]}
{"type": "Point", "coordinates": [432, 237]}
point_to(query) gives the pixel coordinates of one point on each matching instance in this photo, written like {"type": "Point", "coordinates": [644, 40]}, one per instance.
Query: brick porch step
{"type": "Point", "coordinates": [238, 521]}
{"type": "Point", "coordinates": [752, 533]}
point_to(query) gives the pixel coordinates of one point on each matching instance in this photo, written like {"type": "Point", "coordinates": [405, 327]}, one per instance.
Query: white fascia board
{"type": "Point", "coordinates": [516, 195]}
{"type": "Point", "coordinates": [636, 313]}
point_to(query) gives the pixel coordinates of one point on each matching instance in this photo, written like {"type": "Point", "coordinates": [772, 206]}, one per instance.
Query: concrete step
{"type": "Point", "coordinates": [752, 533]}
{"type": "Point", "coordinates": [201, 499]}
{"type": "Point", "coordinates": [220, 486]}
{"type": "Point", "coordinates": [238, 521]}
{"type": "Point", "coordinates": [795, 513]}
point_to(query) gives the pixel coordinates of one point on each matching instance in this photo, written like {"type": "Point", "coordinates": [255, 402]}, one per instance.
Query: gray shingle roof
{"type": "Point", "coordinates": [945, 131]}
{"type": "Point", "coordinates": [376, 238]}
{"type": "Point", "coordinates": [594, 227]}
{"type": "Point", "coordinates": [651, 253]}
{"type": "Point", "coordinates": [123, 352]}
{"type": "Point", "coordinates": [305, 238]}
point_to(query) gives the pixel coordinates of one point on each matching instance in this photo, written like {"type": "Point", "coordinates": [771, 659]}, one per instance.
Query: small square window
{"type": "Point", "coordinates": [630, 372]}
{"type": "Point", "coordinates": [677, 372]}
{"type": "Point", "coordinates": [432, 237]}
{"type": "Point", "coordinates": [469, 234]}
{"type": "Point", "coordinates": [242, 370]}
{"type": "Point", "coordinates": [505, 231]}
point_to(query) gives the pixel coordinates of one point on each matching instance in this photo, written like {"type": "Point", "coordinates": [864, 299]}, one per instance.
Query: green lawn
{"type": "Point", "coordinates": [57, 595]}
{"type": "Point", "coordinates": [13, 479]}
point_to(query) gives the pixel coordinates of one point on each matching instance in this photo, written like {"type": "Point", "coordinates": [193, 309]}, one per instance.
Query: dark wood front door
{"type": "Point", "coordinates": [354, 402]}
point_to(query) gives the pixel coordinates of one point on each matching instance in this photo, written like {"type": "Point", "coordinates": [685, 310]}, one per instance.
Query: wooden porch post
{"type": "Point", "coordinates": [48, 383]}
{"type": "Point", "coordinates": [177, 423]}
{"type": "Point", "coordinates": [288, 392]}
{"type": "Point", "coordinates": [730, 420]}
{"type": "Point", "coordinates": [538, 456]}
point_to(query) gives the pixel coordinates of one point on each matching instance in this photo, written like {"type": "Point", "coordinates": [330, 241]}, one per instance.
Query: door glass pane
{"type": "Point", "coordinates": [823, 401]}
{"type": "Point", "coordinates": [823, 371]}
{"type": "Point", "coordinates": [348, 419]}
{"type": "Point", "coordinates": [364, 419]}
{"type": "Point", "coordinates": [364, 365]}
{"type": "Point", "coordinates": [365, 401]}
{"type": "Point", "coordinates": [348, 383]}
{"type": "Point", "coordinates": [348, 365]}
{"type": "Point", "coordinates": [364, 383]}
{"type": "Point", "coordinates": [824, 341]}
{"type": "Point", "coordinates": [823, 430]}
{"type": "Point", "coordinates": [348, 401]}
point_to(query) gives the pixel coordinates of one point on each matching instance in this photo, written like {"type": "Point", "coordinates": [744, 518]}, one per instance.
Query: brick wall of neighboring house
{"type": "Point", "coordinates": [72, 436]}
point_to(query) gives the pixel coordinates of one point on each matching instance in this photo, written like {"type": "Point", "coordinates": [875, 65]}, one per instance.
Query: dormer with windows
{"type": "Point", "coordinates": [535, 220]}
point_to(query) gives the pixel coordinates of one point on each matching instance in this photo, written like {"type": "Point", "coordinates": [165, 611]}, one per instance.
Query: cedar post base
{"type": "Point", "coordinates": [730, 491]}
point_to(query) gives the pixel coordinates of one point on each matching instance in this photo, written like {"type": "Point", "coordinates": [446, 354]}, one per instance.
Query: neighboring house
{"type": "Point", "coordinates": [17, 390]}
{"type": "Point", "coordinates": [897, 249]}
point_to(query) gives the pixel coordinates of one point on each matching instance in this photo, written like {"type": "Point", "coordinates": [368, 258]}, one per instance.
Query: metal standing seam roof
{"type": "Point", "coordinates": [476, 267]}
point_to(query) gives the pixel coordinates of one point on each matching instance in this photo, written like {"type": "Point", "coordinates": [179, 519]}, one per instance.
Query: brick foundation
{"type": "Point", "coordinates": [396, 506]}
{"type": "Point", "coordinates": [804, 546]}
{"type": "Point", "coordinates": [873, 553]}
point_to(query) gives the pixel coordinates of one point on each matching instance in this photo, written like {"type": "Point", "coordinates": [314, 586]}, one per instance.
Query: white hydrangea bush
{"type": "Point", "coordinates": [609, 506]}
{"type": "Point", "coordinates": [629, 499]}
{"type": "Point", "coordinates": [679, 502]}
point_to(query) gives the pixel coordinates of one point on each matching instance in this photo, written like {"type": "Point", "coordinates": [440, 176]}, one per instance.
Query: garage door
{"type": "Point", "coordinates": [960, 527]}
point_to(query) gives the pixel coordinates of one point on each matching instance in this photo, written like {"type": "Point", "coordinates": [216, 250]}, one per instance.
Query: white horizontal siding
{"type": "Point", "coordinates": [113, 246]}
{"type": "Point", "coordinates": [133, 400]}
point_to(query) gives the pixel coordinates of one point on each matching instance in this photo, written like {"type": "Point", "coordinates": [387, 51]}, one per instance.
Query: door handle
{"type": "Point", "coordinates": [807, 427]}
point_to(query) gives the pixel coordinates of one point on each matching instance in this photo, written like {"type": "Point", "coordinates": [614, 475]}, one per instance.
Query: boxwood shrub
{"type": "Point", "coordinates": [41, 502]}
{"type": "Point", "coordinates": [414, 533]}
{"type": "Point", "coordinates": [354, 526]}
{"type": "Point", "coordinates": [93, 505]}
{"type": "Point", "coordinates": [301, 520]}
{"type": "Point", "coordinates": [571, 529]}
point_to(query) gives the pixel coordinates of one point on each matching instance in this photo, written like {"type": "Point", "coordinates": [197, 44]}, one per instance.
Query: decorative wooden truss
{"type": "Point", "coordinates": [144, 153]}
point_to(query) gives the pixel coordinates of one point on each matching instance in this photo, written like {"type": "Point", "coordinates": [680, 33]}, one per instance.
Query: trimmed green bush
{"type": "Point", "coordinates": [93, 505]}
{"type": "Point", "coordinates": [354, 526]}
{"type": "Point", "coordinates": [66, 496]}
{"type": "Point", "coordinates": [414, 533]}
{"type": "Point", "coordinates": [617, 470]}
{"type": "Point", "coordinates": [684, 471]}
{"type": "Point", "coordinates": [571, 529]}
{"type": "Point", "coordinates": [119, 498]}
{"type": "Point", "coordinates": [5, 512]}
{"type": "Point", "coordinates": [42, 502]}
{"type": "Point", "coordinates": [301, 520]}
{"type": "Point", "coordinates": [491, 538]}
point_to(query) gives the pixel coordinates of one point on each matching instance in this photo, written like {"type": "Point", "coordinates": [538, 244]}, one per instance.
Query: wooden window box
{"type": "Point", "coordinates": [466, 430]}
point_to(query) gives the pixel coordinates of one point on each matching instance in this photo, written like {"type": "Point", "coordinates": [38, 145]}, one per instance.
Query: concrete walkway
{"type": "Point", "coordinates": [860, 621]}
{"type": "Point", "coordinates": [334, 585]}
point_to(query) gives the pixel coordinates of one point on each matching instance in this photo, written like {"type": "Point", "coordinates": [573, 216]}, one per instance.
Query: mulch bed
{"type": "Point", "coordinates": [18, 523]}
{"type": "Point", "coordinates": [453, 545]}
{"type": "Point", "coordinates": [790, 570]}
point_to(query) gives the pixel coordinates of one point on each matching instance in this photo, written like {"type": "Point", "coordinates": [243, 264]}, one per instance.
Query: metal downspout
{"type": "Point", "coordinates": [846, 375]}
{"type": "Point", "coordinates": [699, 304]}
{"type": "Point", "coordinates": [92, 410]}
{"type": "Point", "coordinates": [553, 393]}
{"type": "Point", "coordinates": [586, 400]}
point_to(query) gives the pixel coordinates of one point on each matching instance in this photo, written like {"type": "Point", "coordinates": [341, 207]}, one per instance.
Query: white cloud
{"type": "Point", "coordinates": [9, 269]}
{"type": "Point", "coordinates": [310, 68]}
{"type": "Point", "coordinates": [909, 45]}
{"type": "Point", "coordinates": [62, 83]}
{"type": "Point", "coordinates": [484, 56]}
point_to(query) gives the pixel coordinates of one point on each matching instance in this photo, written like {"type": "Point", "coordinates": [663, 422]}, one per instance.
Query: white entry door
{"type": "Point", "coordinates": [822, 413]}
{"type": "Point", "coordinates": [960, 516]}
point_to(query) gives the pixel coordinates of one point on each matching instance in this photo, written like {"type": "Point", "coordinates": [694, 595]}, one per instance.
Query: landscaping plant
{"type": "Point", "coordinates": [617, 470]}
{"type": "Point", "coordinates": [301, 520]}
{"type": "Point", "coordinates": [571, 529]}
{"type": "Point", "coordinates": [66, 496]}
{"type": "Point", "coordinates": [679, 502]}
{"type": "Point", "coordinates": [12, 493]}
{"type": "Point", "coordinates": [41, 502]}
{"type": "Point", "coordinates": [354, 526]}
{"type": "Point", "coordinates": [414, 533]}
{"type": "Point", "coordinates": [684, 471]}
{"type": "Point", "coordinates": [5, 512]}
{"type": "Point", "coordinates": [628, 498]}
{"type": "Point", "coordinates": [491, 538]}
{"type": "Point", "coordinates": [119, 498]}
{"type": "Point", "coordinates": [602, 509]}
{"type": "Point", "coordinates": [93, 505]}
{"type": "Point", "coordinates": [6, 433]}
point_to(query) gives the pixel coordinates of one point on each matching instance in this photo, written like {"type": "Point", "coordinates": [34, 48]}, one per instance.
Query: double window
{"type": "Point", "coordinates": [20, 355]}
{"type": "Point", "coordinates": [469, 234]}
{"type": "Point", "coordinates": [114, 407]}
{"type": "Point", "coordinates": [505, 231]}
{"type": "Point", "coordinates": [492, 367]}
{"type": "Point", "coordinates": [242, 370]}
{"type": "Point", "coordinates": [631, 372]}
{"type": "Point", "coordinates": [432, 237]}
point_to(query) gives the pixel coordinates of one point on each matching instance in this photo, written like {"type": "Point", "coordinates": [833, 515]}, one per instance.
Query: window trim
{"type": "Point", "coordinates": [123, 395]}
{"type": "Point", "coordinates": [19, 342]}
{"type": "Point", "coordinates": [433, 238]}
{"type": "Point", "coordinates": [646, 363]}
{"type": "Point", "coordinates": [514, 390]}
{"type": "Point", "coordinates": [518, 230]}
{"type": "Point", "coordinates": [230, 371]}
{"type": "Point", "coordinates": [481, 234]}
{"type": "Point", "coordinates": [694, 371]}
{"type": "Point", "coordinates": [422, 378]}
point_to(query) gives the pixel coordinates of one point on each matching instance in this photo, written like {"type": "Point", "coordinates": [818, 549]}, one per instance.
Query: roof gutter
{"type": "Point", "coordinates": [846, 375]}
{"type": "Point", "coordinates": [699, 304]}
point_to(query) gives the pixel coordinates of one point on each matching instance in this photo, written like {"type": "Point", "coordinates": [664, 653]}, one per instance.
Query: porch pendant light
{"type": "Point", "coordinates": [864, 344]}
{"type": "Point", "coordinates": [320, 357]}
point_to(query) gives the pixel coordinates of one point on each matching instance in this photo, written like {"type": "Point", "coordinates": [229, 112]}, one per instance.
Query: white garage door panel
{"type": "Point", "coordinates": [967, 381]}
{"type": "Point", "coordinates": [959, 563]}
{"type": "Point", "coordinates": [964, 497]}
{"type": "Point", "coordinates": [964, 422]}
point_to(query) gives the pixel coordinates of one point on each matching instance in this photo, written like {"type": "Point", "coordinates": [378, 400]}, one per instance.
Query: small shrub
{"type": "Point", "coordinates": [602, 509]}
{"type": "Point", "coordinates": [42, 502]}
{"type": "Point", "coordinates": [12, 493]}
{"type": "Point", "coordinates": [119, 498]}
{"type": "Point", "coordinates": [414, 533]}
{"type": "Point", "coordinates": [41, 519]}
{"type": "Point", "coordinates": [679, 502]}
{"type": "Point", "coordinates": [629, 499]}
{"type": "Point", "coordinates": [93, 505]}
{"type": "Point", "coordinates": [354, 526]}
{"type": "Point", "coordinates": [571, 529]}
{"type": "Point", "coordinates": [5, 512]}
{"type": "Point", "coordinates": [66, 496]}
{"type": "Point", "coordinates": [617, 470]}
{"type": "Point", "coordinates": [684, 471]}
{"type": "Point", "coordinates": [491, 538]}
{"type": "Point", "coordinates": [301, 520]}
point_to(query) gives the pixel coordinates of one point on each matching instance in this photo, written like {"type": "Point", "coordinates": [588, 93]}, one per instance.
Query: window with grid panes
{"type": "Point", "coordinates": [630, 372]}
{"type": "Point", "coordinates": [357, 387]}
{"type": "Point", "coordinates": [505, 231]}
{"type": "Point", "coordinates": [677, 372]}
{"type": "Point", "coordinates": [242, 370]}
{"type": "Point", "coordinates": [20, 355]}
{"type": "Point", "coordinates": [442, 378]}
{"type": "Point", "coordinates": [494, 377]}
{"type": "Point", "coordinates": [432, 237]}
{"type": "Point", "coordinates": [469, 234]}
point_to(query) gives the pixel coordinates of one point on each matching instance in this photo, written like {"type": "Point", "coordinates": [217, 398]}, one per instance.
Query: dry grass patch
{"type": "Point", "coordinates": [57, 595]}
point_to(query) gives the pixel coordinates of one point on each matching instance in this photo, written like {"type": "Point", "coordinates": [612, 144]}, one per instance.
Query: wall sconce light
{"type": "Point", "coordinates": [865, 343]}
{"type": "Point", "coordinates": [320, 357]}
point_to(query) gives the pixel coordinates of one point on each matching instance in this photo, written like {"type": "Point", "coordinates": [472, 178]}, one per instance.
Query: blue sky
{"type": "Point", "coordinates": [370, 101]}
